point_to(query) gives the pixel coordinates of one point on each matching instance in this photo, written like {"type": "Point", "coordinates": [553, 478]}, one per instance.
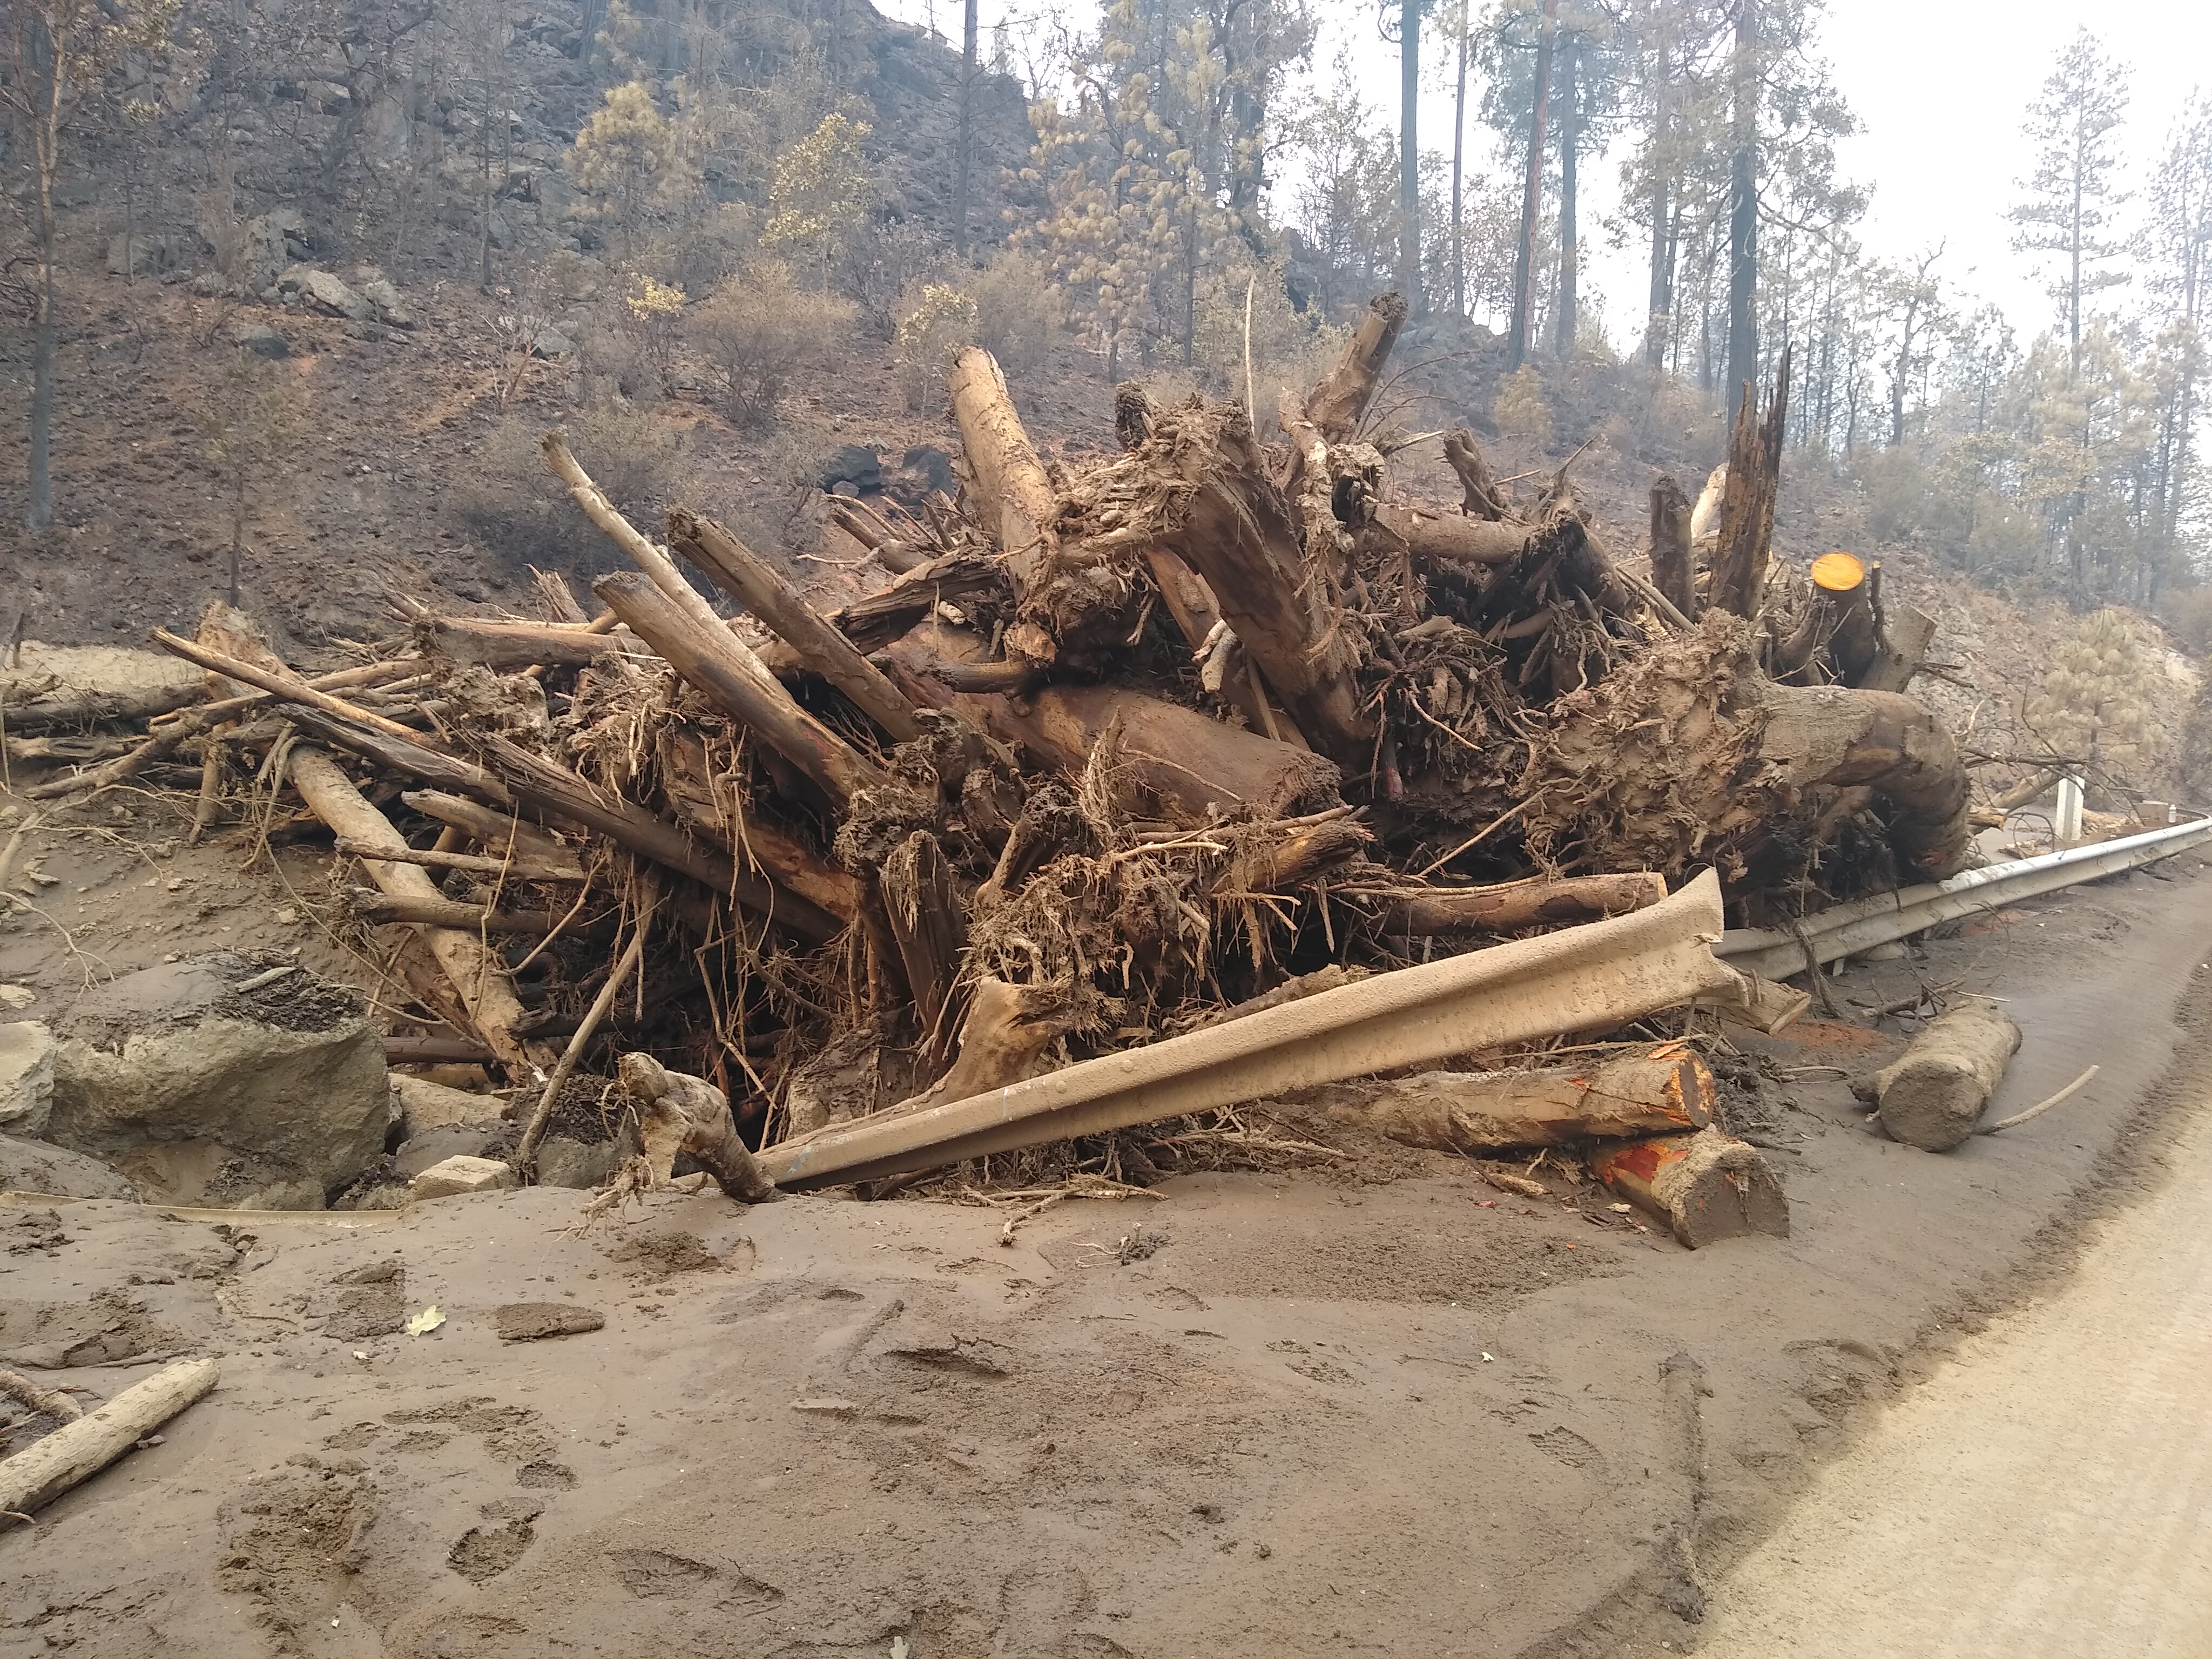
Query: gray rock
{"type": "Point", "coordinates": [274, 1098]}
{"type": "Point", "coordinates": [378, 291]}
{"type": "Point", "coordinates": [261, 340]}
{"type": "Point", "coordinates": [434, 1147]}
{"type": "Point", "coordinates": [141, 255]}
{"type": "Point", "coordinates": [499, 228]}
{"type": "Point", "coordinates": [533, 1321]}
{"type": "Point", "coordinates": [853, 463]}
{"type": "Point", "coordinates": [424, 1105]}
{"type": "Point", "coordinates": [269, 241]}
{"type": "Point", "coordinates": [39, 1166]}
{"type": "Point", "coordinates": [326, 293]}
{"type": "Point", "coordinates": [552, 343]}
{"type": "Point", "coordinates": [26, 1078]}
{"type": "Point", "coordinates": [581, 1164]}
{"type": "Point", "coordinates": [459, 1176]}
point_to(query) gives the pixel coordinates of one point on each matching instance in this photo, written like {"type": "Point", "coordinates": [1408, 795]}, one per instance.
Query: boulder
{"type": "Point", "coordinates": [379, 289]}
{"type": "Point", "coordinates": [39, 1166]}
{"type": "Point", "coordinates": [202, 1094]}
{"type": "Point", "coordinates": [552, 345]}
{"type": "Point", "coordinates": [853, 463]}
{"type": "Point", "coordinates": [270, 239]}
{"type": "Point", "coordinates": [142, 255]}
{"type": "Point", "coordinates": [457, 1176]}
{"type": "Point", "coordinates": [424, 1105]}
{"type": "Point", "coordinates": [581, 1164]}
{"type": "Point", "coordinates": [26, 1078]}
{"type": "Point", "coordinates": [322, 291]}
{"type": "Point", "coordinates": [261, 340]}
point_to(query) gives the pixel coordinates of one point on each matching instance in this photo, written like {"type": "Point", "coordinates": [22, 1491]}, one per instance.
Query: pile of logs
{"type": "Point", "coordinates": [1114, 751]}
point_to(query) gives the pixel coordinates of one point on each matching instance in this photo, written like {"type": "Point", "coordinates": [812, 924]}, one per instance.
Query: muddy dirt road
{"type": "Point", "coordinates": [2043, 1496]}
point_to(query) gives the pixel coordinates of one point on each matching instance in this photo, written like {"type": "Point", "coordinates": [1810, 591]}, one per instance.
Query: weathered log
{"type": "Point", "coordinates": [1483, 499]}
{"type": "Point", "coordinates": [1755, 478]}
{"type": "Point", "coordinates": [75, 707]}
{"type": "Point", "coordinates": [1840, 737]}
{"type": "Point", "coordinates": [894, 553]}
{"type": "Point", "coordinates": [430, 857]}
{"type": "Point", "coordinates": [678, 1113]}
{"type": "Point", "coordinates": [749, 578]}
{"type": "Point", "coordinates": [1006, 1033]}
{"type": "Point", "coordinates": [707, 803]}
{"type": "Point", "coordinates": [401, 755]}
{"type": "Point", "coordinates": [1509, 906]}
{"type": "Point", "coordinates": [76, 1451]}
{"type": "Point", "coordinates": [1668, 1090]}
{"type": "Point", "coordinates": [1291, 853]}
{"type": "Point", "coordinates": [1014, 499]}
{"type": "Point", "coordinates": [124, 766]}
{"type": "Point", "coordinates": [648, 557]}
{"type": "Point", "coordinates": [473, 972]}
{"type": "Point", "coordinates": [1341, 396]}
{"type": "Point", "coordinates": [1189, 763]}
{"type": "Point", "coordinates": [506, 647]}
{"type": "Point", "coordinates": [960, 579]}
{"type": "Point", "coordinates": [1905, 633]}
{"type": "Point", "coordinates": [555, 789]}
{"type": "Point", "coordinates": [1229, 523]}
{"type": "Point", "coordinates": [1442, 539]}
{"type": "Point", "coordinates": [451, 913]}
{"type": "Point", "coordinates": [930, 925]}
{"type": "Point", "coordinates": [1933, 1094]}
{"type": "Point", "coordinates": [501, 832]}
{"type": "Point", "coordinates": [1705, 1187]}
{"type": "Point", "coordinates": [66, 751]}
{"type": "Point", "coordinates": [710, 659]}
{"type": "Point", "coordinates": [1673, 572]}
{"type": "Point", "coordinates": [286, 686]}
{"type": "Point", "coordinates": [1192, 604]}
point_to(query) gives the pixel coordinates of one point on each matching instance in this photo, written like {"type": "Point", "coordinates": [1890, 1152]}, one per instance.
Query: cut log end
{"type": "Point", "coordinates": [1705, 1187]}
{"type": "Point", "coordinates": [1932, 1095]}
{"type": "Point", "coordinates": [1837, 573]}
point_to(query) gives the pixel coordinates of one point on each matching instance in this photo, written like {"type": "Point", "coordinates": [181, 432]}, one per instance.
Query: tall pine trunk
{"type": "Point", "coordinates": [1570, 138]}
{"type": "Point", "coordinates": [1459, 147]}
{"type": "Point", "coordinates": [1532, 194]}
{"type": "Point", "coordinates": [1659, 312]}
{"type": "Point", "coordinates": [1743, 212]}
{"type": "Point", "coordinates": [1409, 154]}
{"type": "Point", "coordinates": [967, 133]}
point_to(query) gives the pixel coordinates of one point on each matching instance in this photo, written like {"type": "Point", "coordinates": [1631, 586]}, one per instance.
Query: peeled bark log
{"type": "Point", "coordinates": [476, 864]}
{"type": "Point", "coordinates": [1673, 572]}
{"type": "Point", "coordinates": [1838, 737]}
{"type": "Point", "coordinates": [747, 578]}
{"type": "Point", "coordinates": [1483, 498]}
{"type": "Point", "coordinates": [654, 561]}
{"type": "Point", "coordinates": [956, 579]}
{"type": "Point", "coordinates": [1536, 903]}
{"type": "Point", "coordinates": [76, 1451]}
{"type": "Point", "coordinates": [499, 832]}
{"type": "Point", "coordinates": [1336, 403]}
{"type": "Point", "coordinates": [1932, 1095]}
{"type": "Point", "coordinates": [1197, 613]}
{"type": "Point", "coordinates": [1668, 1089]}
{"type": "Point", "coordinates": [474, 973]}
{"type": "Point", "coordinates": [74, 708]}
{"type": "Point", "coordinates": [401, 755]}
{"type": "Point", "coordinates": [1705, 1187]}
{"type": "Point", "coordinates": [450, 913]}
{"type": "Point", "coordinates": [285, 686]}
{"type": "Point", "coordinates": [556, 790]}
{"type": "Point", "coordinates": [1007, 1030]}
{"type": "Point", "coordinates": [508, 646]}
{"type": "Point", "coordinates": [1014, 498]}
{"type": "Point", "coordinates": [709, 659]}
{"type": "Point", "coordinates": [1439, 538]}
{"type": "Point", "coordinates": [1755, 478]}
{"type": "Point", "coordinates": [894, 553]}
{"type": "Point", "coordinates": [1230, 524]}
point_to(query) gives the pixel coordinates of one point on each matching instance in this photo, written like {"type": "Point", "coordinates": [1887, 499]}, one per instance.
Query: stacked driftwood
{"type": "Point", "coordinates": [1112, 752]}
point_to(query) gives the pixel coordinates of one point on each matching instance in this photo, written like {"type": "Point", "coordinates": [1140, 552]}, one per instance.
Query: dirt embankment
{"type": "Point", "coordinates": [1388, 1408]}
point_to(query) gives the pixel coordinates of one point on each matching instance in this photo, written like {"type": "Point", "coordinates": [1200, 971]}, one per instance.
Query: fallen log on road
{"type": "Point", "coordinates": [78, 1450]}
{"type": "Point", "coordinates": [1933, 1094]}
{"type": "Point", "coordinates": [1705, 1187]}
{"type": "Point", "coordinates": [1669, 1089]}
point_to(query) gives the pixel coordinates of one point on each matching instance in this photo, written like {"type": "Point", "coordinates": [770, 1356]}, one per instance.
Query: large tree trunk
{"type": "Point", "coordinates": [1532, 195]}
{"type": "Point", "coordinates": [1538, 902]}
{"type": "Point", "coordinates": [1229, 522]}
{"type": "Point", "coordinates": [1840, 738]}
{"type": "Point", "coordinates": [1743, 212]}
{"type": "Point", "coordinates": [1672, 570]}
{"type": "Point", "coordinates": [1754, 479]}
{"type": "Point", "coordinates": [1570, 140]}
{"type": "Point", "coordinates": [1409, 152]}
{"type": "Point", "coordinates": [1668, 1090]}
{"type": "Point", "coordinates": [1341, 397]}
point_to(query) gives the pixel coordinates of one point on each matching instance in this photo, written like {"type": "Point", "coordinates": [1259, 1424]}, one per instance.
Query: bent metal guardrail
{"type": "Point", "coordinates": [1846, 929]}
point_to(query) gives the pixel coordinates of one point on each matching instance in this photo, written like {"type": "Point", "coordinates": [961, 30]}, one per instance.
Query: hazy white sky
{"type": "Point", "coordinates": [1941, 86]}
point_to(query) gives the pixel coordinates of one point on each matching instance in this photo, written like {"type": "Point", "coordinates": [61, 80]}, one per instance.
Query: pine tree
{"type": "Point", "coordinates": [2071, 200]}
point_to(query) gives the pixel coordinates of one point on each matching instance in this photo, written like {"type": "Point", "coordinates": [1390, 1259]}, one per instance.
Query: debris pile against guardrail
{"type": "Point", "coordinates": [1117, 753]}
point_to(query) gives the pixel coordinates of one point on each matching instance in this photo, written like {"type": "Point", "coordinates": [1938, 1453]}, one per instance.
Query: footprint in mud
{"type": "Point", "coordinates": [656, 1575]}
{"type": "Point", "coordinates": [484, 1552]}
{"type": "Point", "coordinates": [545, 1474]}
{"type": "Point", "coordinates": [1563, 1443]}
{"type": "Point", "coordinates": [295, 1537]}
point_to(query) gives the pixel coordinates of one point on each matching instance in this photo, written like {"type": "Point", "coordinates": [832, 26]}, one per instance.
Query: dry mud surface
{"type": "Point", "coordinates": [1259, 1415]}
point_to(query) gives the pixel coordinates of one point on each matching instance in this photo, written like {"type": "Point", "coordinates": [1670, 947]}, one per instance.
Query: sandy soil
{"type": "Point", "coordinates": [1308, 1413]}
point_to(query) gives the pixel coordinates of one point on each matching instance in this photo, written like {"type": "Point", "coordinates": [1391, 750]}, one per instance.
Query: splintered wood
{"type": "Point", "coordinates": [1117, 746]}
